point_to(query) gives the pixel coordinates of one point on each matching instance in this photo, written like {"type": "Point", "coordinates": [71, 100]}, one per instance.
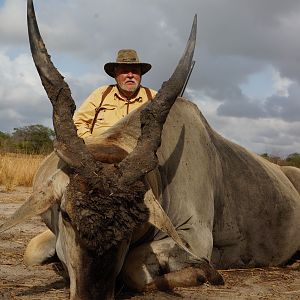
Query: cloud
{"type": "Point", "coordinates": [12, 29]}
{"type": "Point", "coordinates": [281, 84]}
{"type": "Point", "coordinates": [21, 93]}
{"type": "Point", "coordinates": [237, 39]}
{"type": "Point", "coordinates": [285, 107]}
{"type": "Point", "coordinates": [241, 107]}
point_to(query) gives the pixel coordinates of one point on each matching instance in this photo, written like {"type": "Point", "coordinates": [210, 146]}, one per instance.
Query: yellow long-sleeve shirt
{"type": "Point", "coordinates": [113, 108]}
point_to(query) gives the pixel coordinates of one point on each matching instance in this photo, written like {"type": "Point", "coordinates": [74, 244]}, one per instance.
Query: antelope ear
{"type": "Point", "coordinates": [159, 219]}
{"type": "Point", "coordinates": [38, 202]}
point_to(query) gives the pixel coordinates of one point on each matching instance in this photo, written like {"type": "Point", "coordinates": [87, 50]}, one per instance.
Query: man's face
{"type": "Point", "coordinates": [128, 78]}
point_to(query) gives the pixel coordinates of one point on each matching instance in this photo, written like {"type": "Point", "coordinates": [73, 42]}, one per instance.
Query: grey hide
{"type": "Point", "coordinates": [229, 205]}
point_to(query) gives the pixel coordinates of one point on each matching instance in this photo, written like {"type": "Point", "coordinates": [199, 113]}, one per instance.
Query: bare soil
{"type": "Point", "coordinates": [42, 282]}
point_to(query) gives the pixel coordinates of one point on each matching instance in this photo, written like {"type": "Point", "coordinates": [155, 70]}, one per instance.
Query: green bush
{"type": "Point", "coordinates": [33, 139]}
{"type": "Point", "coordinates": [293, 160]}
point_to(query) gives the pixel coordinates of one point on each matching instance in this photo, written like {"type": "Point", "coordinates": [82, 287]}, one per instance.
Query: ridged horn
{"type": "Point", "coordinates": [69, 144]}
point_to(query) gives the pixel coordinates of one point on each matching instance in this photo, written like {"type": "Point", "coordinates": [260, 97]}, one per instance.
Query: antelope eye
{"type": "Point", "coordinates": [65, 216]}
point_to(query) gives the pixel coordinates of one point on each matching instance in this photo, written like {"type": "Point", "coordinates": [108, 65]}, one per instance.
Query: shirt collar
{"type": "Point", "coordinates": [137, 97]}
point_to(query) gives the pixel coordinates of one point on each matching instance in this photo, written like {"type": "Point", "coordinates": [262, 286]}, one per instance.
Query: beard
{"type": "Point", "coordinates": [132, 87]}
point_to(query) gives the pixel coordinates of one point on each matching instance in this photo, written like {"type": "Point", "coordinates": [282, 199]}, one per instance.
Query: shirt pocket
{"type": "Point", "coordinates": [105, 115]}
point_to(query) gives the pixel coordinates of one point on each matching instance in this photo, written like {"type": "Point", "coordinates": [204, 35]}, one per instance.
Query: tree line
{"type": "Point", "coordinates": [292, 159]}
{"type": "Point", "coordinates": [33, 139]}
{"type": "Point", "coordinates": [38, 139]}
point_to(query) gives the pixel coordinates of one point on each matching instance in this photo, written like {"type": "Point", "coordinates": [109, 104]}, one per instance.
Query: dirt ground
{"type": "Point", "coordinates": [42, 283]}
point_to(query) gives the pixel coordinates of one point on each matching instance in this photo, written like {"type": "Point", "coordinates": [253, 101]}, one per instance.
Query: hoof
{"type": "Point", "coordinates": [186, 277]}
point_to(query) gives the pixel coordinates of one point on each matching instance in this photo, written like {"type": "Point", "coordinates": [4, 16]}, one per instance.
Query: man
{"type": "Point", "coordinates": [108, 104]}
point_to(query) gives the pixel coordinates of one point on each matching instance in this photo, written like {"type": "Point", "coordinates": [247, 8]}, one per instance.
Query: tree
{"type": "Point", "coordinates": [4, 141]}
{"type": "Point", "coordinates": [33, 139]}
{"type": "Point", "coordinates": [3, 136]}
{"type": "Point", "coordinates": [293, 159]}
{"type": "Point", "coordinates": [273, 158]}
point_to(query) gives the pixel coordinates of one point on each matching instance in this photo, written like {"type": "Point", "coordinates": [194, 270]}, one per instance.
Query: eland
{"type": "Point", "coordinates": [159, 200]}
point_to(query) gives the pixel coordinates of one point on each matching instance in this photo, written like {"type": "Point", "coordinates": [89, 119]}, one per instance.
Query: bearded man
{"type": "Point", "coordinates": [108, 104]}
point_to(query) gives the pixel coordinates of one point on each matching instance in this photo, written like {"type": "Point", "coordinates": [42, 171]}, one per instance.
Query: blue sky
{"type": "Point", "coordinates": [245, 81]}
{"type": "Point", "coordinates": [259, 85]}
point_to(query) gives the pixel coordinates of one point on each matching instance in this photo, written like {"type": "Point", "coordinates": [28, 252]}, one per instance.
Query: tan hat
{"type": "Point", "coordinates": [129, 57]}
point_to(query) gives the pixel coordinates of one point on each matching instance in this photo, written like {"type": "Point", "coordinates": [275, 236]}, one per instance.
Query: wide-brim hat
{"type": "Point", "coordinates": [129, 57]}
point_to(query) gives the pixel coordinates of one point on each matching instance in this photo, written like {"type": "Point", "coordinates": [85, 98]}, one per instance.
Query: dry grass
{"type": "Point", "coordinates": [18, 169]}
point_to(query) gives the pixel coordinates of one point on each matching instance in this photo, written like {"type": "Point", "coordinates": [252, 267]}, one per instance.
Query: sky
{"type": "Point", "coordinates": [246, 80]}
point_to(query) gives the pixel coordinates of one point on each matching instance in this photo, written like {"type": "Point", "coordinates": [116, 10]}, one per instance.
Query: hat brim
{"type": "Point", "coordinates": [109, 68]}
